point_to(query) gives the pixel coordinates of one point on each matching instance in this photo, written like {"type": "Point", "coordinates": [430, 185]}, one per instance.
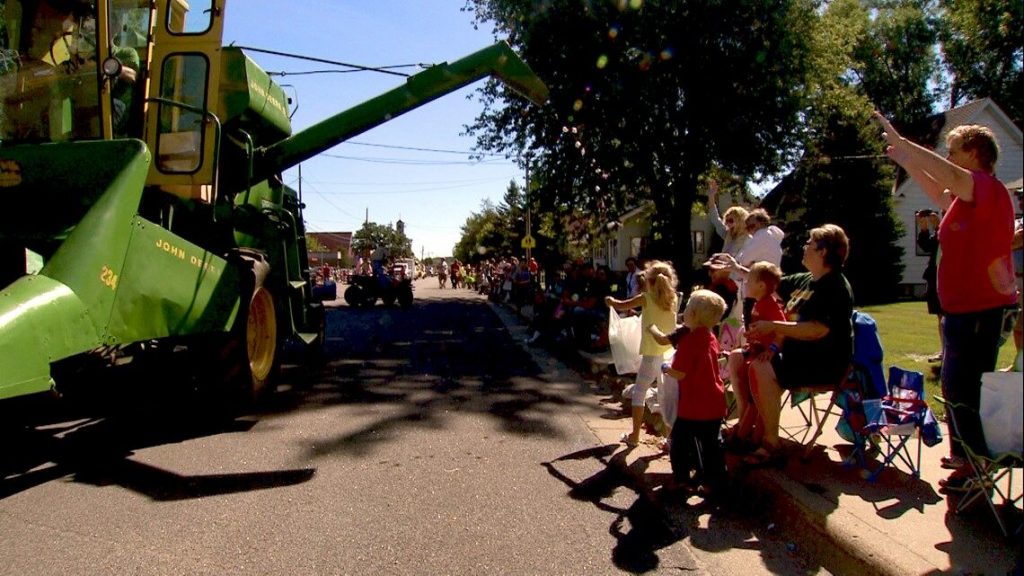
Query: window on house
{"type": "Point", "coordinates": [636, 245]}
{"type": "Point", "coordinates": [698, 242]}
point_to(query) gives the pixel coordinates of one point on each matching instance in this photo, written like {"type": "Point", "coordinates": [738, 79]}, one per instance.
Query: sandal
{"type": "Point", "coordinates": [625, 439]}
{"type": "Point", "coordinates": [765, 457]}
{"type": "Point", "coordinates": [953, 462]}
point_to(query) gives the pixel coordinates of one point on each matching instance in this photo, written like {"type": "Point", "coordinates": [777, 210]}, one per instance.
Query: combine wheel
{"type": "Point", "coordinates": [405, 296]}
{"type": "Point", "coordinates": [354, 295]}
{"type": "Point", "coordinates": [261, 339]}
{"type": "Point", "coordinates": [249, 357]}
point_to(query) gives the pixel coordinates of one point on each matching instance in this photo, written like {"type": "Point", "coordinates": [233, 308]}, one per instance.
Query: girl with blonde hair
{"type": "Point", "coordinates": [658, 302]}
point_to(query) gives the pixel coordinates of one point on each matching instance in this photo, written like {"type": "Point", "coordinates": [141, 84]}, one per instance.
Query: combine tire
{"type": "Point", "coordinates": [354, 295]}
{"type": "Point", "coordinates": [251, 354]}
{"type": "Point", "coordinates": [405, 296]}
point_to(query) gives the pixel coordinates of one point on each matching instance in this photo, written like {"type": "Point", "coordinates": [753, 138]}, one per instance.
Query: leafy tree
{"type": "Point", "coordinates": [314, 245]}
{"type": "Point", "coordinates": [646, 97]}
{"type": "Point", "coordinates": [482, 234]}
{"type": "Point", "coordinates": [895, 60]}
{"type": "Point", "coordinates": [983, 45]}
{"type": "Point", "coordinates": [372, 235]}
{"type": "Point", "coordinates": [842, 177]}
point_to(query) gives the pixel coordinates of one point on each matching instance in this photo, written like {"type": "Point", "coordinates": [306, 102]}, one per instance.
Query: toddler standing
{"type": "Point", "coordinates": [696, 442]}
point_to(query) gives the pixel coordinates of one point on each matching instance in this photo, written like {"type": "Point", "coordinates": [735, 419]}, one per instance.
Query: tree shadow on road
{"type": "Point", "coordinates": [99, 451]}
{"type": "Point", "coordinates": [640, 529]}
{"type": "Point", "coordinates": [425, 364]}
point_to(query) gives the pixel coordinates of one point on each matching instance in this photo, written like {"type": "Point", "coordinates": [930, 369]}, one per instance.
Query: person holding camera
{"type": "Point", "coordinates": [928, 242]}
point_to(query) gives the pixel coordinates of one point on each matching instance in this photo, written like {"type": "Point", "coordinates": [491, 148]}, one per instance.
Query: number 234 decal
{"type": "Point", "coordinates": [108, 277]}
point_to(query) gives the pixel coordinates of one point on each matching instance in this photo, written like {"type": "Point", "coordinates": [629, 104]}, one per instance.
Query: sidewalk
{"type": "Point", "coordinates": [896, 525]}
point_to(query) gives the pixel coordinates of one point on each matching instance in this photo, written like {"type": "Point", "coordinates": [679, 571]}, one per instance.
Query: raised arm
{"type": "Point", "coordinates": [713, 214]}
{"type": "Point", "coordinates": [932, 171]}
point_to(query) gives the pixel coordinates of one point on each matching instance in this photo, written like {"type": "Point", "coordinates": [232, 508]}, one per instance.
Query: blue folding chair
{"type": "Point", "coordinates": [893, 420]}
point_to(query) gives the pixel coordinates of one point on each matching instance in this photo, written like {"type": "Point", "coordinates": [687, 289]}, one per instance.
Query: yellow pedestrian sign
{"type": "Point", "coordinates": [528, 242]}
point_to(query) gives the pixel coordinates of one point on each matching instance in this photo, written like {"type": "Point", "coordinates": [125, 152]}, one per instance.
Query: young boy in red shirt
{"type": "Point", "coordinates": [696, 442]}
{"type": "Point", "coordinates": [762, 280]}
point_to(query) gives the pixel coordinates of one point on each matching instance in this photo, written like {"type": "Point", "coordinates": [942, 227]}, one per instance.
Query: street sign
{"type": "Point", "coordinates": [528, 242]}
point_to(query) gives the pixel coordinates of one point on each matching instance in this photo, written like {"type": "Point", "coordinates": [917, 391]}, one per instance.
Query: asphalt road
{"type": "Point", "coordinates": [430, 442]}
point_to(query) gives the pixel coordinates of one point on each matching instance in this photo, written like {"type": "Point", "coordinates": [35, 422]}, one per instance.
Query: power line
{"type": "Point", "coordinates": [395, 147]}
{"type": "Point", "coordinates": [354, 67]}
{"type": "Point", "coordinates": [415, 162]}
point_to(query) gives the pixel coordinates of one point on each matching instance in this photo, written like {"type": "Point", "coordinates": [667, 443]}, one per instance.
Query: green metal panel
{"type": "Point", "coordinates": [52, 186]}
{"type": "Point", "coordinates": [41, 320]}
{"type": "Point", "coordinates": [91, 259]}
{"type": "Point", "coordinates": [171, 287]}
{"type": "Point", "coordinates": [498, 60]}
{"type": "Point", "coordinates": [250, 100]}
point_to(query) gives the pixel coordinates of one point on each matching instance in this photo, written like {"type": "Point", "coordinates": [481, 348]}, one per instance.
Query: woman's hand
{"type": "Point", "coordinates": [761, 329]}
{"type": "Point", "coordinates": [895, 150]}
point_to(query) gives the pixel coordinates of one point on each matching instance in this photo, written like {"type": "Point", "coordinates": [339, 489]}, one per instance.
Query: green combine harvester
{"type": "Point", "coordinates": [145, 216]}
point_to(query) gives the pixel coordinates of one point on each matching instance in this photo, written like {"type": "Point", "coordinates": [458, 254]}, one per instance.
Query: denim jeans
{"type": "Point", "coordinates": [971, 348]}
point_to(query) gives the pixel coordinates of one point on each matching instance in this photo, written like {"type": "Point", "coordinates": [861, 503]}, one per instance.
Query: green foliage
{"type": "Point", "coordinates": [843, 179]}
{"type": "Point", "coordinates": [983, 45]}
{"type": "Point", "coordinates": [372, 235]}
{"type": "Point", "coordinates": [646, 97]}
{"type": "Point", "coordinates": [314, 245]}
{"type": "Point", "coordinates": [895, 59]}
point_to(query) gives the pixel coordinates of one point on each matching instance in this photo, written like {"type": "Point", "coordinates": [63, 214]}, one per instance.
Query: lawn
{"type": "Point", "coordinates": [910, 335]}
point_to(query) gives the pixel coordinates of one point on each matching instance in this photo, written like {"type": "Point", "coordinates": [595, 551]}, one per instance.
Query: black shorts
{"type": "Point", "coordinates": [793, 375]}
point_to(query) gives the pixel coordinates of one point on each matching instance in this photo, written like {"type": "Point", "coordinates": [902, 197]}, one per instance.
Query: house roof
{"type": "Point", "coordinates": [931, 132]}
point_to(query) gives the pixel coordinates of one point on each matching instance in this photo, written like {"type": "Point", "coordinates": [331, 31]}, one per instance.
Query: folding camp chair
{"type": "Point", "coordinates": [813, 416]}
{"type": "Point", "coordinates": [991, 475]}
{"type": "Point", "coordinates": [896, 418]}
{"type": "Point", "coordinates": [863, 376]}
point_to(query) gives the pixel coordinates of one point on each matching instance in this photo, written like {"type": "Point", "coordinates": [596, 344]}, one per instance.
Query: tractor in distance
{"type": "Point", "coordinates": [146, 220]}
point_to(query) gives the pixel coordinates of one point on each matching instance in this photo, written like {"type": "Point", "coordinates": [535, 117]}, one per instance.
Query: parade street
{"type": "Point", "coordinates": [429, 442]}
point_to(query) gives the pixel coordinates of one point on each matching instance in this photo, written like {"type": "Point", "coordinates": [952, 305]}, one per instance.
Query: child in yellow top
{"type": "Point", "coordinates": [659, 302]}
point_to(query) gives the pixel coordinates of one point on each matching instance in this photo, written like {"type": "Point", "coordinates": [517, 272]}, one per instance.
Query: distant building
{"type": "Point", "coordinates": [337, 249]}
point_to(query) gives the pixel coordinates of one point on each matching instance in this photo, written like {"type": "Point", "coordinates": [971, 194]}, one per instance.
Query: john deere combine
{"type": "Point", "coordinates": [144, 213]}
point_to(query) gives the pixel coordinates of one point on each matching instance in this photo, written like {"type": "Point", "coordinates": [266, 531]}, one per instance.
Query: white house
{"type": "Point", "coordinates": [909, 197]}
{"type": "Point", "coordinates": [630, 234]}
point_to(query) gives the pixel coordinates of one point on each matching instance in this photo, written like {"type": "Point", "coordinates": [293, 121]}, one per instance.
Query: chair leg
{"type": "Point", "coordinates": [820, 426]}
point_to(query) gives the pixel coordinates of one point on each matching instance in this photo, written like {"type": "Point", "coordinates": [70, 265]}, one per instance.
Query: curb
{"type": "Point", "coordinates": [839, 540]}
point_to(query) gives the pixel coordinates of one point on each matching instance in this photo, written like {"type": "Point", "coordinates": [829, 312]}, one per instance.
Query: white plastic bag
{"type": "Point", "coordinates": [1002, 412]}
{"type": "Point", "coordinates": [668, 398]}
{"type": "Point", "coordinates": [624, 341]}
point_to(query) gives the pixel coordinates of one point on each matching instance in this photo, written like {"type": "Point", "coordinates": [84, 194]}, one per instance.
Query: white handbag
{"type": "Point", "coordinates": [1002, 412]}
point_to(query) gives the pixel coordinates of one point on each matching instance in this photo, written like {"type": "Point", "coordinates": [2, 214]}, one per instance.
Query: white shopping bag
{"type": "Point", "coordinates": [668, 398]}
{"type": "Point", "coordinates": [1002, 412]}
{"type": "Point", "coordinates": [624, 341]}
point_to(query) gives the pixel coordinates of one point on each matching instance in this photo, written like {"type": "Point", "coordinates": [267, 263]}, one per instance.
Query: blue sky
{"type": "Point", "coordinates": [379, 171]}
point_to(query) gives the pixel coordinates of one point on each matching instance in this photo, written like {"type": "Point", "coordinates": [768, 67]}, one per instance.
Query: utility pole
{"type": "Point", "coordinates": [528, 242]}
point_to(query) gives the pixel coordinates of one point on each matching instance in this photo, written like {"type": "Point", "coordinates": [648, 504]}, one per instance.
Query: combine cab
{"type": "Point", "coordinates": [140, 166]}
